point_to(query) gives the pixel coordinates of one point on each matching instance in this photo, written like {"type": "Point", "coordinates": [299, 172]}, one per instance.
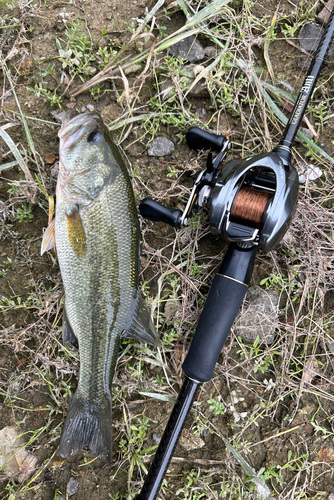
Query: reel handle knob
{"type": "Point", "coordinates": [154, 211]}
{"type": "Point", "coordinates": [198, 139]}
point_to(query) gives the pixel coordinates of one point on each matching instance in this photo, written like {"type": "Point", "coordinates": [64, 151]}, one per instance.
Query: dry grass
{"type": "Point", "coordinates": [283, 427]}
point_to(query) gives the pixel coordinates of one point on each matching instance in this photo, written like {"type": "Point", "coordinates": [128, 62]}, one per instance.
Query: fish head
{"type": "Point", "coordinates": [88, 157]}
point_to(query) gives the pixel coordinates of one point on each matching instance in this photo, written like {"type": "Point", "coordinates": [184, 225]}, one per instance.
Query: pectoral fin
{"type": "Point", "coordinates": [75, 231]}
{"type": "Point", "coordinates": [142, 328]}
{"type": "Point", "coordinates": [49, 238]}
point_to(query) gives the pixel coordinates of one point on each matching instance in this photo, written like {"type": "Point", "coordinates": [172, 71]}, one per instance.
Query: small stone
{"type": "Point", "coordinates": [171, 307]}
{"type": "Point", "coordinates": [49, 158]}
{"type": "Point", "coordinates": [90, 107]}
{"type": "Point", "coordinates": [327, 453]}
{"type": "Point", "coordinates": [8, 96]}
{"type": "Point", "coordinates": [201, 112]}
{"type": "Point", "coordinates": [15, 460]}
{"type": "Point", "coordinates": [72, 487]}
{"type": "Point", "coordinates": [210, 51]}
{"type": "Point", "coordinates": [55, 170]}
{"type": "Point", "coordinates": [189, 48]}
{"type": "Point", "coordinates": [330, 345]}
{"type": "Point", "coordinates": [307, 132]}
{"type": "Point", "coordinates": [331, 496]}
{"type": "Point", "coordinates": [189, 441]}
{"type": "Point", "coordinates": [309, 39]}
{"type": "Point", "coordinates": [58, 116]}
{"type": "Point", "coordinates": [71, 105]}
{"type": "Point", "coordinates": [133, 69]}
{"type": "Point", "coordinates": [258, 317]}
{"type": "Point", "coordinates": [197, 69]}
{"type": "Point", "coordinates": [156, 437]}
{"type": "Point", "coordinates": [166, 88]}
{"type": "Point", "coordinates": [311, 370]}
{"type": "Point", "coordinates": [308, 173]}
{"type": "Point", "coordinates": [160, 146]}
{"type": "Point", "coordinates": [308, 428]}
{"type": "Point", "coordinates": [323, 17]}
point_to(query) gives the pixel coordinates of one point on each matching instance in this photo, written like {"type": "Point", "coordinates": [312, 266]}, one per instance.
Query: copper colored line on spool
{"type": "Point", "coordinates": [249, 206]}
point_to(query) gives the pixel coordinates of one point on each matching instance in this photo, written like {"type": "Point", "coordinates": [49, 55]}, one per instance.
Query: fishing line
{"type": "Point", "coordinates": [249, 206]}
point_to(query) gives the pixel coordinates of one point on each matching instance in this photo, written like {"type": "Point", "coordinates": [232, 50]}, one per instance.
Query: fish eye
{"type": "Point", "coordinates": [94, 136]}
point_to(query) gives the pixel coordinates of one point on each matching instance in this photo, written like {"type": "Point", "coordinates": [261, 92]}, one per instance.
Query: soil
{"type": "Point", "coordinates": [38, 375]}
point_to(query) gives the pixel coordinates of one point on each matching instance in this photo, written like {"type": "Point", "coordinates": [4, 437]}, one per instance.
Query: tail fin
{"type": "Point", "coordinates": [87, 424]}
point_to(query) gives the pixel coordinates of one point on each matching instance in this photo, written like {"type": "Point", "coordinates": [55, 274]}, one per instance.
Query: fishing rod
{"type": "Point", "coordinates": [251, 203]}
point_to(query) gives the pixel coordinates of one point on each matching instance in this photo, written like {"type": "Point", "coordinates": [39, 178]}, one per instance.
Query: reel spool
{"type": "Point", "coordinates": [249, 206]}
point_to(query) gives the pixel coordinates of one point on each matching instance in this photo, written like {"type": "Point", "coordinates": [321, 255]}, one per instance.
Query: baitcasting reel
{"type": "Point", "coordinates": [250, 202]}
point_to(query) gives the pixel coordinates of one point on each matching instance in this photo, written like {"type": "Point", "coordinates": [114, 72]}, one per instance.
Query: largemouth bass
{"type": "Point", "coordinates": [97, 240]}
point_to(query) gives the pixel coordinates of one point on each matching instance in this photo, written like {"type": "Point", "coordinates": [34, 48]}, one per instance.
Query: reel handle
{"type": "Point", "coordinates": [154, 211]}
{"type": "Point", "coordinates": [198, 139]}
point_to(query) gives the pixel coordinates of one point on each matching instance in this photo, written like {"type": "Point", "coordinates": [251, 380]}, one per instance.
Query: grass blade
{"type": "Point", "coordinates": [159, 396]}
{"type": "Point", "coordinates": [12, 146]}
{"type": "Point", "coordinates": [266, 46]}
{"type": "Point", "coordinates": [25, 124]}
{"type": "Point", "coordinates": [8, 165]}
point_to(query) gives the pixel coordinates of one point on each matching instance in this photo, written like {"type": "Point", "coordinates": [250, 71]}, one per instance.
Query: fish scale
{"type": "Point", "coordinates": [97, 272]}
{"type": "Point", "coordinates": [97, 239]}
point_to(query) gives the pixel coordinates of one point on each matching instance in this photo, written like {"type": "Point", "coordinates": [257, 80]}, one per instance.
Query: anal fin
{"type": "Point", "coordinates": [142, 328]}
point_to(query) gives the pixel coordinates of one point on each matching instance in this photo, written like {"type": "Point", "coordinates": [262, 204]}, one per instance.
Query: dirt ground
{"type": "Point", "coordinates": [275, 414]}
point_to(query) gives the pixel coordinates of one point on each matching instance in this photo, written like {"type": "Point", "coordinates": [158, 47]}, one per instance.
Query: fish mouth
{"type": "Point", "coordinates": [74, 129]}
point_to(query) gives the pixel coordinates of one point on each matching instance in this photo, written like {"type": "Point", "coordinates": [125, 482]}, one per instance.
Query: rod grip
{"type": "Point", "coordinates": [222, 305]}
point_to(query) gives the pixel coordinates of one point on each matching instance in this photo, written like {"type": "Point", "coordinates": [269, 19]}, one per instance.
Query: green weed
{"type": "Point", "coordinates": [51, 96]}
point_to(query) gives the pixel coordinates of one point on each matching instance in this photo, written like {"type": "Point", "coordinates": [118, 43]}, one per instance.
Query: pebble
{"type": "Point", "coordinates": [72, 487]}
{"type": "Point", "coordinates": [258, 317]}
{"type": "Point", "coordinates": [156, 437]}
{"type": "Point", "coordinates": [309, 38]}
{"type": "Point", "coordinates": [210, 51]}
{"type": "Point", "coordinates": [327, 453]}
{"type": "Point", "coordinates": [171, 308]}
{"type": "Point", "coordinates": [189, 48]}
{"type": "Point", "coordinates": [160, 146]}
{"type": "Point", "coordinates": [331, 496]}
{"type": "Point", "coordinates": [330, 345]}
{"type": "Point", "coordinates": [322, 18]}
{"type": "Point", "coordinates": [15, 460]}
{"type": "Point", "coordinates": [201, 112]}
{"type": "Point", "coordinates": [49, 158]}
{"type": "Point", "coordinates": [307, 132]}
{"type": "Point", "coordinates": [8, 96]}
{"type": "Point", "coordinates": [308, 172]}
{"type": "Point", "coordinates": [58, 116]}
{"type": "Point", "coordinates": [189, 441]}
